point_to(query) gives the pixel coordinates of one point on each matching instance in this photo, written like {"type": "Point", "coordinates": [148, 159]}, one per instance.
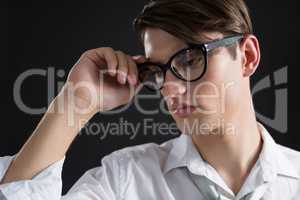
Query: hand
{"type": "Point", "coordinates": [104, 79]}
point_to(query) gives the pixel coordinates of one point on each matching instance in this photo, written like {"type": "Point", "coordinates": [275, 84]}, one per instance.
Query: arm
{"type": "Point", "coordinates": [54, 134]}
{"type": "Point", "coordinates": [48, 143]}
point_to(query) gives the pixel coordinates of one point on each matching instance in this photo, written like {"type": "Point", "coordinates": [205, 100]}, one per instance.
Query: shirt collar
{"type": "Point", "coordinates": [183, 153]}
{"type": "Point", "coordinates": [272, 160]}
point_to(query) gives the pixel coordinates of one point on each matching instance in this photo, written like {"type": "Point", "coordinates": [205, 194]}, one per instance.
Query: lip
{"type": "Point", "coordinates": [184, 110]}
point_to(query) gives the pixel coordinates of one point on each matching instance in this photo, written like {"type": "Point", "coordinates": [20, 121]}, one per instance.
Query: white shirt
{"type": "Point", "coordinates": [173, 170]}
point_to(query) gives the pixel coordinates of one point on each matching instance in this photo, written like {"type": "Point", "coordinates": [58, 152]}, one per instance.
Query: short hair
{"type": "Point", "coordinates": [185, 19]}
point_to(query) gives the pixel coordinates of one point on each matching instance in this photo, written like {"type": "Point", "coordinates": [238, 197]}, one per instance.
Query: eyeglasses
{"type": "Point", "coordinates": [188, 64]}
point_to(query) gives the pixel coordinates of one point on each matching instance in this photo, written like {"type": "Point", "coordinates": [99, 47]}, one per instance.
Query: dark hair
{"type": "Point", "coordinates": [186, 18]}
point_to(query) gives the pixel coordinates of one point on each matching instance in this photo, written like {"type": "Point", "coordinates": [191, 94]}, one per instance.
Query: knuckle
{"type": "Point", "coordinates": [122, 62]}
{"type": "Point", "coordinates": [109, 49]}
{"type": "Point", "coordinates": [110, 55]}
{"type": "Point", "coordinates": [87, 52]}
{"type": "Point", "coordinates": [119, 52]}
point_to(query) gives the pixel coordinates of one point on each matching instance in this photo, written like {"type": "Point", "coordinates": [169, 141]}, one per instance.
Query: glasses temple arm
{"type": "Point", "coordinates": [223, 42]}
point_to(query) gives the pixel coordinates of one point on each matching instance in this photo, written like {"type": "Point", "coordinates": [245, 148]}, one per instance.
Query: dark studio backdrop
{"type": "Point", "coordinates": [43, 35]}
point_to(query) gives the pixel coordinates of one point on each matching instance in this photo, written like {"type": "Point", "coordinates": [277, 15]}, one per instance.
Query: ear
{"type": "Point", "coordinates": [251, 55]}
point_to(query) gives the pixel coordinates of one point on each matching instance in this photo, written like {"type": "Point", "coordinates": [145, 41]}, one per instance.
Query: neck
{"type": "Point", "coordinates": [233, 154]}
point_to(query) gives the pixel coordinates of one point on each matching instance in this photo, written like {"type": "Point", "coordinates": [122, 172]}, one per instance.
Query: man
{"type": "Point", "coordinates": [200, 54]}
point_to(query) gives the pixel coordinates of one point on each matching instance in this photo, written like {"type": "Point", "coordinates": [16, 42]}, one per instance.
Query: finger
{"type": "Point", "coordinates": [110, 57]}
{"type": "Point", "coordinates": [133, 72]}
{"type": "Point", "coordinates": [139, 59]}
{"type": "Point", "coordinates": [122, 67]}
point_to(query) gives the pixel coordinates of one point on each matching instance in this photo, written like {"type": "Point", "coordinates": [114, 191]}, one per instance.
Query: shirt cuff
{"type": "Point", "coordinates": [45, 185]}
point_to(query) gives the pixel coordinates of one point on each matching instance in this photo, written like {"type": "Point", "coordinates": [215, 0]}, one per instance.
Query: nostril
{"type": "Point", "coordinates": [172, 101]}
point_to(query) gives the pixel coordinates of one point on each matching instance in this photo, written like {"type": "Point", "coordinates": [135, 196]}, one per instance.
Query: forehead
{"type": "Point", "coordinates": [160, 45]}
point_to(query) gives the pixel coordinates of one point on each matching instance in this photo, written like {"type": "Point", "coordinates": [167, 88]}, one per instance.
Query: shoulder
{"type": "Point", "coordinates": [149, 155]}
{"type": "Point", "coordinates": [292, 155]}
{"type": "Point", "coordinates": [134, 161]}
{"type": "Point", "coordinates": [147, 151]}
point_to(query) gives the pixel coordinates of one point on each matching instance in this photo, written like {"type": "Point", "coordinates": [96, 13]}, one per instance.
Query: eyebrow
{"type": "Point", "coordinates": [186, 46]}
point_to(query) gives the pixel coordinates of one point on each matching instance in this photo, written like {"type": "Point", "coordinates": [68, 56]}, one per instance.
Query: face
{"type": "Point", "coordinates": [207, 104]}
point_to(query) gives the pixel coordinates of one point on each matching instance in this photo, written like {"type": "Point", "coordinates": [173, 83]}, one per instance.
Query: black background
{"type": "Point", "coordinates": [39, 34]}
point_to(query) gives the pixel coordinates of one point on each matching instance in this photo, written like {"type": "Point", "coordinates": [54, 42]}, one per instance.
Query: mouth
{"type": "Point", "coordinates": [183, 110]}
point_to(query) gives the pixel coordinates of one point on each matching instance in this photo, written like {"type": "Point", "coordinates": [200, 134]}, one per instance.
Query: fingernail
{"type": "Point", "coordinates": [132, 80]}
{"type": "Point", "coordinates": [112, 72]}
{"type": "Point", "coordinates": [135, 57]}
{"type": "Point", "coordinates": [121, 79]}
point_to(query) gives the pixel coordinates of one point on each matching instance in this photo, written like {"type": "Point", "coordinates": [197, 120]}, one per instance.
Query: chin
{"type": "Point", "coordinates": [198, 123]}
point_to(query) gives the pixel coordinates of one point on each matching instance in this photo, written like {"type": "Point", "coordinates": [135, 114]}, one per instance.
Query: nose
{"type": "Point", "coordinates": [173, 86]}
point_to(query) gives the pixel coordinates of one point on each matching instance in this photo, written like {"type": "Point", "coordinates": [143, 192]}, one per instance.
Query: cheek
{"type": "Point", "coordinates": [219, 86]}
{"type": "Point", "coordinates": [223, 69]}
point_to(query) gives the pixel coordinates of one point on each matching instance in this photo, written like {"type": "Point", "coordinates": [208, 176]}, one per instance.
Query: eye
{"type": "Point", "coordinates": [190, 62]}
{"type": "Point", "coordinates": [189, 57]}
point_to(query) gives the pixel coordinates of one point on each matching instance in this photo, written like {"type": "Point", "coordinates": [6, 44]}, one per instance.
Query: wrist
{"type": "Point", "coordinates": [66, 103]}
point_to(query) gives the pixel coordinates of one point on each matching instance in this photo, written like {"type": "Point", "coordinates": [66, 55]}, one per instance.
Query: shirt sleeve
{"type": "Point", "coordinates": [45, 185]}
{"type": "Point", "coordinates": [100, 183]}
